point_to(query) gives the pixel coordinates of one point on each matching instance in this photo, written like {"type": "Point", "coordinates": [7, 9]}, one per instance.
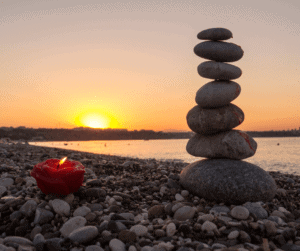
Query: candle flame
{"type": "Point", "coordinates": [62, 161]}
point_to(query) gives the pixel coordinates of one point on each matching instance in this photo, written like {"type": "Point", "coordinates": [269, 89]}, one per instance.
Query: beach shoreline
{"type": "Point", "coordinates": [142, 207]}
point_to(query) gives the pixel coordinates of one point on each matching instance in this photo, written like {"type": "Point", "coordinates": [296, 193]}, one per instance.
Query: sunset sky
{"type": "Point", "coordinates": [130, 64]}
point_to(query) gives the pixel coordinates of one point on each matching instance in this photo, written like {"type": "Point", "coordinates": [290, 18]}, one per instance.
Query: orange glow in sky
{"type": "Point", "coordinates": [130, 64]}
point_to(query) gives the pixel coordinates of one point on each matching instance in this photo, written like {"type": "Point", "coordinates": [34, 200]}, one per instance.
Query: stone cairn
{"type": "Point", "coordinates": [222, 177]}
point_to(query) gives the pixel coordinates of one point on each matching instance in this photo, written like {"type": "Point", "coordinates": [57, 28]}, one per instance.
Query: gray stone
{"type": "Point", "coordinates": [270, 227]}
{"type": "Point", "coordinates": [117, 245]}
{"type": "Point", "coordinates": [95, 192]}
{"type": "Point", "coordinates": [139, 230]}
{"type": "Point", "coordinates": [219, 51]}
{"type": "Point", "coordinates": [232, 144]}
{"type": "Point", "coordinates": [18, 240]}
{"type": "Point", "coordinates": [219, 209]}
{"type": "Point", "coordinates": [179, 197]}
{"type": "Point", "coordinates": [210, 121]}
{"type": "Point", "coordinates": [239, 212]}
{"type": "Point", "coordinates": [217, 94]}
{"type": "Point", "coordinates": [184, 213]}
{"type": "Point", "coordinates": [218, 246]}
{"type": "Point", "coordinates": [72, 224]}
{"type": "Point", "coordinates": [215, 34]}
{"type": "Point", "coordinates": [233, 235]}
{"type": "Point", "coordinates": [16, 215]}
{"type": "Point", "coordinates": [28, 209]}
{"type": "Point", "coordinates": [94, 183]}
{"type": "Point", "coordinates": [171, 229]}
{"type": "Point", "coordinates": [229, 181]}
{"type": "Point", "coordinates": [95, 207]}
{"type": "Point", "coordinates": [81, 211]}
{"type": "Point", "coordinates": [257, 210]}
{"type": "Point", "coordinates": [36, 230]}
{"type": "Point", "coordinates": [53, 244]}
{"type": "Point", "coordinates": [42, 216]}
{"type": "Point", "coordinates": [94, 248]}
{"type": "Point", "coordinates": [208, 226]}
{"type": "Point", "coordinates": [61, 207]}
{"type": "Point", "coordinates": [127, 216]}
{"type": "Point", "coordinates": [69, 198]}
{"type": "Point", "coordinates": [39, 241]}
{"type": "Point", "coordinates": [6, 182]}
{"type": "Point", "coordinates": [84, 234]}
{"type": "Point", "coordinates": [218, 70]}
{"type": "Point", "coordinates": [277, 219]}
{"type": "Point", "coordinates": [205, 217]}
{"type": "Point", "coordinates": [3, 189]}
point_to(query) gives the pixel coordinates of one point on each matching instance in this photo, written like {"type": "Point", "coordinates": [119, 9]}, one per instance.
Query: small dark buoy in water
{"type": "Point", "coordinates": [278, 144]}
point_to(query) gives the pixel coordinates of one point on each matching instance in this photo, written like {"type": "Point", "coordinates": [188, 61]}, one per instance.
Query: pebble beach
{"type": "Point", "coordinates": [134, 204]}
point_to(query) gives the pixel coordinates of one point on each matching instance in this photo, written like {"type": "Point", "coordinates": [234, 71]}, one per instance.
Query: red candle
{"type": "Point", "coordinates": [60, 177]}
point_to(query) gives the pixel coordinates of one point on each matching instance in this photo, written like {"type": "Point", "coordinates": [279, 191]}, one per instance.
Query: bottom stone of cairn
{"type": "Point", "coordinates": [229, 181]}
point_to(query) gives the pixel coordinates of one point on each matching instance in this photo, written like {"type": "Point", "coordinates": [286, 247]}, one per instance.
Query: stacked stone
{"type": "Point", "coordinates": [222, 177]}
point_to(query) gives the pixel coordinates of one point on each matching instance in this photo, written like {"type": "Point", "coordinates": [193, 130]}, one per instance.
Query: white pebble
{"type": "Point", "coordinates": [171, 229]}
{"type": "Point", "coordinates": [233, 235]}
{"type": "Point", "coordinates": [240, 213]}
{"type": "Point", "coordinates": [185, 193]}
{"type": "Point", "coordinates": [178, 197]}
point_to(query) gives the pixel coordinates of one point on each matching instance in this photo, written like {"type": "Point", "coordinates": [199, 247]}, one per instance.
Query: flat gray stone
{"type": "Point", "coordinates": [82, 211]}
{"type": "Point", "coordinates": [28, 209]}
{"type": "Point", "coordinates": [2, 190]}
{"type": "Point", "coordinates": [42, 216]}
{"type": "Point", "coordinates": [184, 213]}
{"type": "Point", "coordinates": [210, 121]}
{"type": "Point", "coordinates": [117, 245]}
{"type": "Point", "coordinates": [240, 213]}
{"type": "Point", "coordinates": [215, 34]}
{"type": "Point", "coordinates": [217, 93]}
{"type": "Point", "coordinates": [257, 210]}
{"type": "Point", "coordinates": [219, 51]}
{"type": "Point", "coordinates": [72, 224]}
{"type": "Point", "coordinates": [208, 226]}
{"type": "Point", "coordinates": [232, 144]}
{"type": "Point", "coordinates": [18, 240]}
{"type": "Point", "coordinates": [84, 234]}
{"type": "Point", "coordinates": [61, 207]}
{"type": "Point", "coordinates": [228, 181]}
{"type": "Point", "coordinates": [219, 209]}
{"type": "Point", "coordinates": [6, 182]}
{"type": "Point", "coordinates": [218, 70]}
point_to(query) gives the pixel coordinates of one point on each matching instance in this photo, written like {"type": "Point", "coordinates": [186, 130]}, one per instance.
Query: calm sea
{"type": "Point", "coordinates": [273, 154]}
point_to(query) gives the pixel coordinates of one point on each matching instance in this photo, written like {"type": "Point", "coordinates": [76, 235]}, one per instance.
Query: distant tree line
{"type": "Point", "coordinates": [83, 134]}
{"type": "Point", "coordinates": [288, 133]}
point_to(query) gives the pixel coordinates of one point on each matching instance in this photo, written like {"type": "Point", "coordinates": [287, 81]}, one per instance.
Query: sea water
{"type": "Point", "coordinates": [272, 154]}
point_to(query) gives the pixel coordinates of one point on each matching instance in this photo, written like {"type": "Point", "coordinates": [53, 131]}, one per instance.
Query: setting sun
{"type": "Point", "coordinates": [93, 120]}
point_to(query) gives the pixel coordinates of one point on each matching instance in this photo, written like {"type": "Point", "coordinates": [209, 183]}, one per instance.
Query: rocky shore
{"type": "Point", "coordinates": [134, 204]}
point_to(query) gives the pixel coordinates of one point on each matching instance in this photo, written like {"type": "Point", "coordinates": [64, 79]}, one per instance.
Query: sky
{"type": "Point", "coordinates": [130, 64]}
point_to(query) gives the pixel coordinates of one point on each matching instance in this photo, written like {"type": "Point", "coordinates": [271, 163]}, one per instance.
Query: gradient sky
{"type": "Point", "coordinates": [132, 62]}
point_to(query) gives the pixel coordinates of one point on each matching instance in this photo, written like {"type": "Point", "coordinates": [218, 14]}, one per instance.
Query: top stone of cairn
{"type": "Point", "coordinates": [215, 34]}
